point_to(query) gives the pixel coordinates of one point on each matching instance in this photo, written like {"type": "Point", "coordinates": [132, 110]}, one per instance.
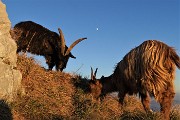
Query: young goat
{"type": "Point", "coordinates": [37, 39]}
{"type": "Point", "coordinates": [149, 70]}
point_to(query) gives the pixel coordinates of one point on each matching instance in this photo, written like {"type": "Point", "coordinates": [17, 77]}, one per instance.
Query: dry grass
{"type": "Point", "coordinates": [51, 95]}
{"type": "Point", "coordinates": [48, 94]}
{"type": "Point", "coordinates": [175, 113]}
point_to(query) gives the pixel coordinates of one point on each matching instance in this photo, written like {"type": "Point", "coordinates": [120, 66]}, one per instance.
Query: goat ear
{"type": "Point", "coordinates": [63, 43]}
{"type": "Point", "coordinates": [73, 44]}
{"type": "Point", "coordinates": [72, 56]}
{"type": "Point", "coordinates": [102, 77]}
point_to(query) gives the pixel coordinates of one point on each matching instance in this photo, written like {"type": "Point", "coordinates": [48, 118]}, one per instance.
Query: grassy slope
{"type": "Point", "coordinates": [51, 95]}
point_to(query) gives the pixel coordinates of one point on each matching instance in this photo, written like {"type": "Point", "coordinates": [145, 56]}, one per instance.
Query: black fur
{"type": "Point", "coordinates": [37, 39]}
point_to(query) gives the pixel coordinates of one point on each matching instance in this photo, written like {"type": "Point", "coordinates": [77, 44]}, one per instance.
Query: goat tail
{"type": "Point", "coordinates": [175, 58]}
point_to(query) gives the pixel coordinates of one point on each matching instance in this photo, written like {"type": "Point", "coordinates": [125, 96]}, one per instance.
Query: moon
{"type": "Point", "coordinates": [97, 29]}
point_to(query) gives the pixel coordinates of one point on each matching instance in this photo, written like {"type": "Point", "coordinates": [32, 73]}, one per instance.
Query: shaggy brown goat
{"type": "Point", "coordinates": [37, 39]}
{"type": "Point", "coordinates": [148, 70]}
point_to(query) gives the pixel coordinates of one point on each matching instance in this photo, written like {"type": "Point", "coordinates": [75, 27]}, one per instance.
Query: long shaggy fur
{"type": "Point", "coordinates": [149, 70]}
{"type": "Point", "coordinates": [41, 40]}
{"type": "Point", "coordinates": [149, 67]}
{"type": "Point", "coordinates": [37, 39]}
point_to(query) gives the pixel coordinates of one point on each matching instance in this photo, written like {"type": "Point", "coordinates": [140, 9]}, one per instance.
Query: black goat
{"type": "Point", "coordinates": [36, 39]}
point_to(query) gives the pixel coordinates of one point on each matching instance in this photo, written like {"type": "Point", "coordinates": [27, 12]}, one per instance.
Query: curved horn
{"type": "Point", "coordinates": [92, 78]}
{"type": "Point", "coordinates": [63, 43]}
{"type": "Point", "coordinates": [93, 75]}
{"type": "Point", "coordinates": [72, 45]}
{"type": "Point", "coordinates": [95, 72]}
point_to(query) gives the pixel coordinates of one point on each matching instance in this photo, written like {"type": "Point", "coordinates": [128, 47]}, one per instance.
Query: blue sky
{"type": "Point", "coordinates": [122, 25]}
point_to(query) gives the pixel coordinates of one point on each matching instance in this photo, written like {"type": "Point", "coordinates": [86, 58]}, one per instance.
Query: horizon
{"type": "Point", "coordinates": [112, 28]}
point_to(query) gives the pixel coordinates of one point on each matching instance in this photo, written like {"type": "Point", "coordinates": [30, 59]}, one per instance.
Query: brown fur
{"type": "Point", "coordinates": [149, 70]}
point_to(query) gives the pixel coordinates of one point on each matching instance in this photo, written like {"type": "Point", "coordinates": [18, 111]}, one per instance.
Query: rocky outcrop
{"type": "Point", "coordinates": [10, 78]}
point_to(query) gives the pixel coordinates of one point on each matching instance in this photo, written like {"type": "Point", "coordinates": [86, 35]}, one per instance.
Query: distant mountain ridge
{"type": "Point", "coordinates": [156, 107]}
{"type": "Point", "coordinates": [177, 98]}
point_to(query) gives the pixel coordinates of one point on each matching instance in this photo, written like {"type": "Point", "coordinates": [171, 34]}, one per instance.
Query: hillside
{"type": "Point", "coordinates": [51, 95]}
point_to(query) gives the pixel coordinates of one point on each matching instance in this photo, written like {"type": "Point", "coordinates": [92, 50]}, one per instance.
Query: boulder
{"type": "Point", "coordinates": [10, 77]}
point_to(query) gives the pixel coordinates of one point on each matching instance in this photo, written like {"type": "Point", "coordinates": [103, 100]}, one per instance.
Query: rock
{"type": "Point", "coordinates": [10, 78]}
